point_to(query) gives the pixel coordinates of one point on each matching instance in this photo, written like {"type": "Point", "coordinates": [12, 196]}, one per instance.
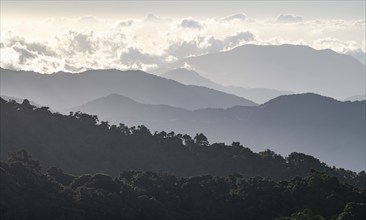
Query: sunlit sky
{"type": "Point", "coordinates": [49, 36]}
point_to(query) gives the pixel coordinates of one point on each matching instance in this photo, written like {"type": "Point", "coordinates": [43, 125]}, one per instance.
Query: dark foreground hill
{"type": "Point", "coordinates": [28, 193]}
{"type": "Point", "coordinates": [80, 144]}
{"type": "Point", "coordinates": [64, 90]}
{"type": "Point", "coordinates": [330, 130]}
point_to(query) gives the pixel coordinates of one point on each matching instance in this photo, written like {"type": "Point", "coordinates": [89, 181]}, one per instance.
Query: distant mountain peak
{"type": "Point", "coordinates": [301, 99]}
{"type": "Point", "coordinates": [115, 96]}
{"type": "Point", "coordinates": [296, 68]}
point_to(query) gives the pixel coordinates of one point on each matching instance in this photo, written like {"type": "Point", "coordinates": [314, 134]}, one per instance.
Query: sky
{"type": "Point", "coordinates": [51, 36]}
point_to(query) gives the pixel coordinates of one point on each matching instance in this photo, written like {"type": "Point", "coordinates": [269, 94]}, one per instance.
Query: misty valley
{"type": "Point", "coordinates": [160, 161]}
{"type": "Point", "coordinates": [200, 111]}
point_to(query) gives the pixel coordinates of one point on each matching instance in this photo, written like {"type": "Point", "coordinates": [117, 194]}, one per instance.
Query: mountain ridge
{"type": "Point", "coordinates": [64, 90]}
{"type": "Point", "coordinates": [310, 123]}
{"type": "Point", "coordinates": [191, 77]}
{"type": "Point", "coordinates": [283, 67]}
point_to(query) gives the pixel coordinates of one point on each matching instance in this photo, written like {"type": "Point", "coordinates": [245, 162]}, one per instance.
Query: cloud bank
{"type": "Point", "coordinates": [88, 42]}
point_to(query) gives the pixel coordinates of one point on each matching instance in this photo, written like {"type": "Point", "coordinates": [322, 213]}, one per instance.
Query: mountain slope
{"type": "Point", "coordinates": [137, 195]}
{"type": "Point", "coordinates": [331, 130]}
{"type": "Point", "coordinates": [190, 77]}
{"type": "Point", "coordinates": [286, 67]}
{"type": "Point", "coordinates": [119, 108]}
{"type": "Point", "coordinates": [64, 90]}
{"type": "Point", "coordinates": [80, 144]}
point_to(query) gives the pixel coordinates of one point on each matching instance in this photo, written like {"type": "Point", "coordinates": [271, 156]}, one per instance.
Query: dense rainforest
{"type": "Point", "coordinates": [79, 144]}
{"type": "Point", "coordinates": [28, 193]}
{"type": "Point", "coordinates": [93, 170]}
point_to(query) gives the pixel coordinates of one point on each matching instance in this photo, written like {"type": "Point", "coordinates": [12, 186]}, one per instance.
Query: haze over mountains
{"type": "Point", "coordinates": [64, 90]}
{"type": "Point", "coordinates": [80, 144]}
{"type": "Point", "coordinates": [331, 130]}
{"type": "Point", "coordinates": [191, 77]}
{"type": "Point", "coordinates": [285, 67]}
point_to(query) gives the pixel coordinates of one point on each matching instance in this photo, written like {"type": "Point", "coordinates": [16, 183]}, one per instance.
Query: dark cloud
{"type": "Point", "coordinates": [152, 18]}
{"type": "Point", "coordinates": [288, 18]}
{"type": "Point", "coordinates": [235, 40]}
{"type": "Point", "coordinates": [71, 68]}
{"type": "Point", "coordinates": [191, 23]}
{"type": "Point", "coordinates": [88, 19]}
{"type": "Point", "coordinates": [24, 54]}
{"type": "Point", "coordinates": [40, 49]}
{"type": "Point", "coordinates": [182, 49]}
{"type": "Point", "coordinates": [238, 17]}
{"type": "Point", "coordinates": [127, 23]}
{"type": "Point", "coordinates": [134, 56]}
{"type": "Point", "coordinates": [74, 42]}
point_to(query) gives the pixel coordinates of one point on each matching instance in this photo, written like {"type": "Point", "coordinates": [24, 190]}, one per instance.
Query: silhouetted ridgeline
{"type": "Point", "coordinates": [80, 144]}
{"type": "Point", "coordinates": [28, 193]}
{"type": "Point", "coordinates": [328, 129]}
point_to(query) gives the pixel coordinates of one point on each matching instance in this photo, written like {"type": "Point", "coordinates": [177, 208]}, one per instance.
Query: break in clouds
{"type": "Point", "coordinates": [76, 44]}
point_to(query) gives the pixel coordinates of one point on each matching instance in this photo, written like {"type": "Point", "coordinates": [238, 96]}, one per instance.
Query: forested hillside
{"type": "Point", "coordinates": [28, 193]}
{"type": "Point", "coordinates": [80, 144]}
{"type": "Point", "coordinates": [325, 128]}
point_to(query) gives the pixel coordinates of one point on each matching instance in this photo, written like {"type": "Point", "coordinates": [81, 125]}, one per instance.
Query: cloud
{"type": "Point", "coordinates": [360, 23]}
{"type": "Point", "coordinates": [33, 47]}
{"type": "Point", "coordinates": [151, 18]}
{"type": "Point", "coordinates": [344, 47]}
{"type": "Point", "coordinates": [74, 42]}
{"type": "Point", "coordinates": [127, 23]}
{"type": "Point", "coordinates": [182, 48]}
{"type": "Point", "coordinates": [335, 44]}
{"type": "Point", "coordinates": [236, 17]}
{"type": "Point", "coordinates": [24, 54]}
{"type": "Point", "coordinates": [86, 42]}
{"type": "Point", "coordinates": [19, 57]}
{"type": "Point", "coordinates": [238, 38]}
{"type": "Point", "coordinates": [88, 19]}
{"type": "Point", "coordinates": [210, 44]}
{"type": "Point", "coordinates": [191, 23]}
{"type": "Point", "coordinates": [288, 18]}
{"type": "Point", "coordinates": [134, 56]}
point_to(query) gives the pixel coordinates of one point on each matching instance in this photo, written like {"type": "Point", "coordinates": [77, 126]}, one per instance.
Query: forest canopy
{"type": "Point", "coordinates": [79, 143]}
{"type": "Point", "coordinates": [28, 193]}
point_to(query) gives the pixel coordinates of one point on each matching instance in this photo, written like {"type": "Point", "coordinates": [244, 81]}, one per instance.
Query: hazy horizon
{"type": "Point", "coordinates": [74, 36]}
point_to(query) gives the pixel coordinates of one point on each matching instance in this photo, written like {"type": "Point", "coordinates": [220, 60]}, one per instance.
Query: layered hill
{"type": "Point", "coordinates": [64, 90]}
{"type": "Point", "coordinates": [331, 130]}
{"type": "Point", "coordinates": [293, 68]}
{"type": "Point", "coordinates": [80, 144]}
{"type": "Point", "coordinates": [191, 77]}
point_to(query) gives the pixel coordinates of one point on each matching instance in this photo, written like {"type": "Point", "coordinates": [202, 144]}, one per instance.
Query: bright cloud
{"type": "Point", "coordinates": [88, 42]}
